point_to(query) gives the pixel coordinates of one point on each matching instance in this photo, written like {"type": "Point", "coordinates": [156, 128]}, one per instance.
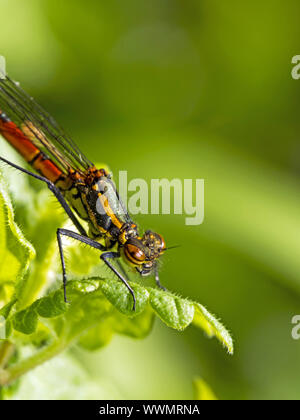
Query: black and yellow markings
{"type": "Point", "coordinates": [73, 196]}
{"type": "Point", "coordinates": [92, 215]}
{"type": "Point", "coordinates": [109, 212]}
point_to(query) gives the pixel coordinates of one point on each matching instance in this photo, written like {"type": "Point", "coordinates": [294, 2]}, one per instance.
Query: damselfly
{"type": "Point", "coordinates": [86, 193]}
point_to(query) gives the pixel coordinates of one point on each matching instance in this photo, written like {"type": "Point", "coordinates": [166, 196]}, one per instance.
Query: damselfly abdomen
{"type": "Point", "coordinates": [85, 192]}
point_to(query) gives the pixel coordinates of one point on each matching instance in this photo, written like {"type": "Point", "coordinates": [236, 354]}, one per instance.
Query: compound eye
{"type": "Point", "coordinates": [134, 254]}
{"type": "Point", "coordinates": [163, 244]}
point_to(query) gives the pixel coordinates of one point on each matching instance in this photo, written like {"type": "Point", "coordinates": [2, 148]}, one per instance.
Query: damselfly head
{"type": "Point", "coordinates": [143, 252]}
{"type": "Point", "coordinates": [154, 243]}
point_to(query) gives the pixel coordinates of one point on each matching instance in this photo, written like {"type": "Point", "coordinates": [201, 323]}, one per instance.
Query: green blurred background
{"type": "Point", "coordinates": [188, 89]}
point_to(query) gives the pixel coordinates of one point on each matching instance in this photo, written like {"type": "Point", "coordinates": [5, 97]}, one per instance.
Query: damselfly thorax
{"type": "Point", "coordinates": [85, 192]}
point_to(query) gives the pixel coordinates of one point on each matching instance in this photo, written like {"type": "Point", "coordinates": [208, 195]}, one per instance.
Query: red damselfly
{"type": "Point", "coordinates": [86, 193]}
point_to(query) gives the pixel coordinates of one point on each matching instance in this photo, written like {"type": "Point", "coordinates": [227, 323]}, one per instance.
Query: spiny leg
{"type": "Point", "coordinates": [54, 190]}
{"type": "Point", "coordinates": [80, 238]}
{"type": "Point", "coordinates": [107, 255]}
{"type": "Point", "coordinates": [83, 235]}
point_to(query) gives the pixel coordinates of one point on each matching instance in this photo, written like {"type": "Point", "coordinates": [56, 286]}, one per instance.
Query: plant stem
{"type": "Point", "coordinates": [7, 376]}
{"type": "Point", "coordinates": [6, 351]}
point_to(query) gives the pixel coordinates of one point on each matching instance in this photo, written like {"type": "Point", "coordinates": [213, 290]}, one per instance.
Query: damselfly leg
{"type": "Point", "coordinates": [54, 190]}
{"type": "Point", "coordinates": [157, 281]}
{"type": "Point", "coordinates": [105, 256]}
{"type": "Point", "coordinates": [82, 237]}
{"type": "Point", "coordinates": [112, 255]}
{"type": "Point", "coordinates": [87, 194]}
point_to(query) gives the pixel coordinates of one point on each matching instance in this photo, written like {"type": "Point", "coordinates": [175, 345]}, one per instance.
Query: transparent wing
{"type": "Point", "coordinates": [37, 124]}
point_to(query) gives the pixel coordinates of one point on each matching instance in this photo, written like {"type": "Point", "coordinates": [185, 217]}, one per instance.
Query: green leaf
{"type": "Point", "coordinates": [97, 337]}
{"type": "Point", "coordinates": [120, 297]}
{"type": "Point", "coordinates": [85, 311]}
{"type": "Point", "coordinates": [137, 327]}
{"type": "Point", "coordinates": [43, 237]}
{"type": "Point", "coordinates": [15, 251]}
{"type": "Point", "coordinates": [5, 310]}
{"type": "Point", "coordinates": [99, 307]}
{"type": "Point", "coordinates": [206, 321]}
{"type": "Point", "coordinates": [52, 305]}
{"type": "Point", "coordinates": [174, 311]}
{"type": "Point", "coordinates": [25, 321]}
{"type": "Point", "coordinates": [93, 319]}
